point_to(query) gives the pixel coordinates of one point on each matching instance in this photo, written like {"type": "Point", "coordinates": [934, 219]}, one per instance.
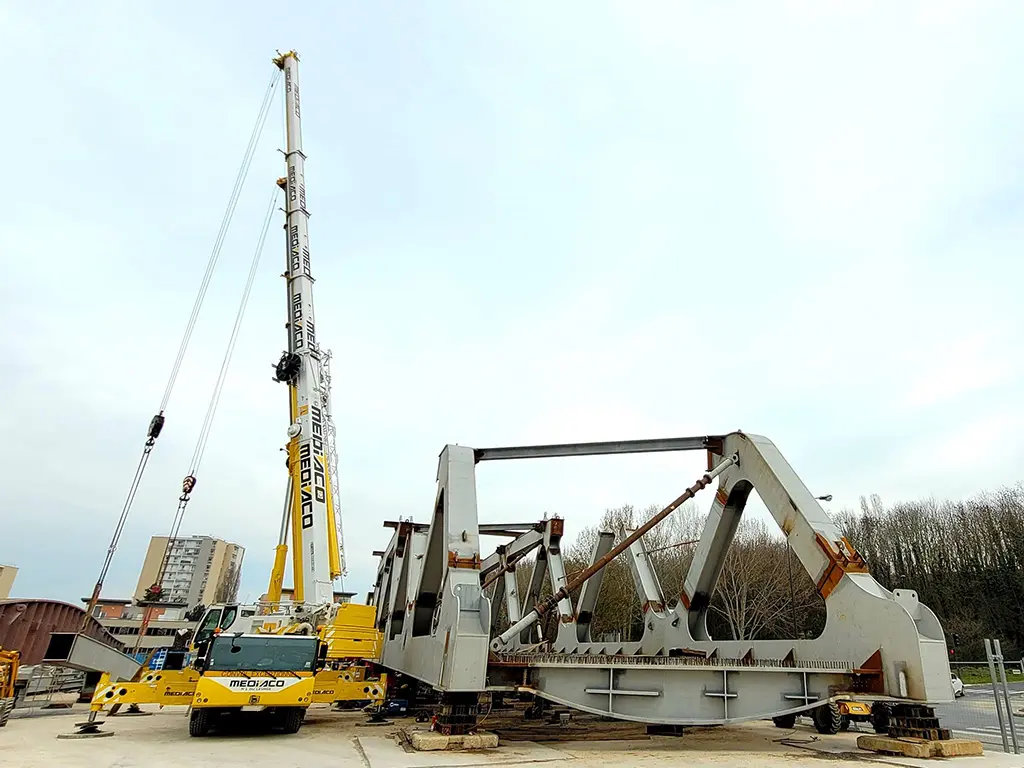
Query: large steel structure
{"type": "Point", "coordinates": [437, 597]}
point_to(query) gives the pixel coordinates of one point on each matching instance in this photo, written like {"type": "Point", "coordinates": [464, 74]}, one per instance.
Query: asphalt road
{"type": "Point", "coordinates": [974, 714]}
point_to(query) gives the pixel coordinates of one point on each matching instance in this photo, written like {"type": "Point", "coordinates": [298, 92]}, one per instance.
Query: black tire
{"type": "Point", "coordinates": [844, 725]}
{"type": "Point", "coordinates": [291, 719]}
{"type": "Point", "coordinates": [784, 721]}
{"type": "Point", "coordinates": [881, 716]}
{"type": "Point", "coordinates": [6, 707]}
{"type": "Point", "coordinates": [827, 718]}
{"type": "Point", "coordinates": [199, 722]}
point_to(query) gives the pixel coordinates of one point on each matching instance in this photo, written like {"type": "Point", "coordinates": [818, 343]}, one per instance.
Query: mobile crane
{"type": "Point", "coordinates": [279, 656]}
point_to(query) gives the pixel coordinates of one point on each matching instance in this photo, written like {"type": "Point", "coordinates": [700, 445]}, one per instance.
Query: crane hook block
{"type": "Point", "coordinates": [155, 425]}
{"type": "Point", "coordinates": [188, 484]}
{"type": "Point", "coordinates": [288, 367]}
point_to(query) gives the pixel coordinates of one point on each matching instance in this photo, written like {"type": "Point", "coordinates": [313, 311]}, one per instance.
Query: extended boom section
{"type": "Point", "coordinates": [439, 605]}
{"type": "Point", "coordinates": [316, 560]}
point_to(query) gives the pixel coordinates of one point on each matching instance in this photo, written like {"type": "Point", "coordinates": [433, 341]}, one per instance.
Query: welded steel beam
{"type": "Point", "coordinates": [657, 445]}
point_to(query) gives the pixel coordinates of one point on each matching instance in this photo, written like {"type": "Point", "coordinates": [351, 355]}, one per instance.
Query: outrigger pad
{"type": "Point", "coordinates": [86, 730]}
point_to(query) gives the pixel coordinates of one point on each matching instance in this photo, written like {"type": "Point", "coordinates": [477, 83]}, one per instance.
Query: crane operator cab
{"type": "Point", "coordinates": [222, 618]}
{"type": "Point", "coordinates": [270, 676]}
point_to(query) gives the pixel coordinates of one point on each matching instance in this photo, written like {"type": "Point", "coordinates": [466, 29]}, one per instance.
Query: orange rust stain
{"type": "Point", "coordinates": [454, 561]}
{"type": "Point", "coordinates": [841, 561]}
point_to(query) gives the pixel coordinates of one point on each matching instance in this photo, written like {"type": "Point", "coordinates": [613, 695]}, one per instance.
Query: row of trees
{"type": "Point", "coordinates": [965, 559]}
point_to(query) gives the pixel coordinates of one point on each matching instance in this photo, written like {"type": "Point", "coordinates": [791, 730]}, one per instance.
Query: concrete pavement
{"type": "Point", "coordinates": [342, 740]}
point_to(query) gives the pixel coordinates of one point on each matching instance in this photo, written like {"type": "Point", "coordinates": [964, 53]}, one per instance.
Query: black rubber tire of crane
{"type": "Point", "coordinates": [881, 717]}
{"type": "Point", "coordinates": [845, 724]}
{"type": "Point", "coordinates": [784, 721]}
{"type": "Point", "coordinates": [6, 707]}
{"type": "Point", "coordinates": [827, 718]}
{"type": "Point", "coordinates": [291, 719]}
{"type": "Point", "coordinates": [199, 722]}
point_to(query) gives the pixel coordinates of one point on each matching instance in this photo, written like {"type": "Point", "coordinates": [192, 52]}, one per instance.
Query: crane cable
{"type": "Point", "coordinates": [155, 592]}
{"type": "Point", "coordinates": [243, 172]}
{"type": "Point", "coordinates": [156, 424]}
{"type": "Point", "coordinates": [204, 433]}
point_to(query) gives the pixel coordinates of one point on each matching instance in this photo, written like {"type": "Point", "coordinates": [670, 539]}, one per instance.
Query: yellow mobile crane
{"type": "Point", "coordinates": [278, 656]}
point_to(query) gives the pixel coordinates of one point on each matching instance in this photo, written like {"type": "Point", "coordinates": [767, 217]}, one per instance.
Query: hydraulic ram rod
{"type": "Point", "coordinates": [545, 605]}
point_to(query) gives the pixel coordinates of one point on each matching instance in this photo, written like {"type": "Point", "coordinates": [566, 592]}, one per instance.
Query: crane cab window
{"type": "Point", "coordinates": [228, 617]}
{"type": "Point", "coordinates": [210, 622]}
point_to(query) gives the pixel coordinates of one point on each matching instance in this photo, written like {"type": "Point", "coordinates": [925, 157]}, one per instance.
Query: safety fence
{"type": "Point", "coordinates": [989, 702]}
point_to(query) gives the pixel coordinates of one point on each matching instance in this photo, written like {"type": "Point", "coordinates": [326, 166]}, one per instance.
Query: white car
{"type": "Point", "coordinates": [958, 686]}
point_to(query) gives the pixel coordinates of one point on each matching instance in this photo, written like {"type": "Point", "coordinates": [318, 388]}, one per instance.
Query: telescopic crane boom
{"type": "Point", "coordinates": [316, 559]}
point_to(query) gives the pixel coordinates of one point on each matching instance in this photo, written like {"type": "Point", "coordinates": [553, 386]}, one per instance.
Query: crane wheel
{"type": "Point", "coordinates": [199, 722]}
{"type": "Point", "coordinates": [827, 718]}
{"type": "Point", "coordinates": [291, 719]}
{"type": "Point", "coordinates": [784, 721]}
{"type": "Point", "coordinates": [6, 707]}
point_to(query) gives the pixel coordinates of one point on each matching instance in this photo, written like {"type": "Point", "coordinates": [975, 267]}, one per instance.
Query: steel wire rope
{"type": "Point", "coordinates": [225, 224]}
{"type": "Point", "coordinates": [218, 389]}
{"type": "Point", "coordinates": [156, 424]}
{"type": "Point", "coordinates": [197, 456]}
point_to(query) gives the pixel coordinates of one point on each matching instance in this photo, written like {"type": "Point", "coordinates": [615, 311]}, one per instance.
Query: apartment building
{"type": "Point", "coordinates": [200, 569]}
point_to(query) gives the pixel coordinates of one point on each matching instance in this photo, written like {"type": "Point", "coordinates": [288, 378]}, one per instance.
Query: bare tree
{"type": "Point", "coordinates": [754, 586]}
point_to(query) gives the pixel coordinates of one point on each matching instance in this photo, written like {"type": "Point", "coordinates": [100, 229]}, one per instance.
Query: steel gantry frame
{"type": "Point", "coordinates": [438, 604]}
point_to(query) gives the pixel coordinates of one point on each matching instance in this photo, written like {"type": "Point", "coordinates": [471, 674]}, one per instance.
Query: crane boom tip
{"type": "Point", "coordinates": [280, 58]}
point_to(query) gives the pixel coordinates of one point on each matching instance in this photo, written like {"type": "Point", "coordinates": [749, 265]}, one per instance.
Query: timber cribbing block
{"type": "Point", "coordinates": [909, 747]}
{"type": "Point", "coordinates": [430, 741]}
{"type": "Point", "coordinates": [957, 748]}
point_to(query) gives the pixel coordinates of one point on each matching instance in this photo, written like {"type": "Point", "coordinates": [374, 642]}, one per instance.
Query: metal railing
{"type": "Point", "coordinates": [991, 710]}
{"type": "Point", "coordinates": [1013, 667]}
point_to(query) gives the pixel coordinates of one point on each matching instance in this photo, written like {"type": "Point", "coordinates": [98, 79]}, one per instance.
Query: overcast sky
{"type": "Point", "coordinates": [531, 223]}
